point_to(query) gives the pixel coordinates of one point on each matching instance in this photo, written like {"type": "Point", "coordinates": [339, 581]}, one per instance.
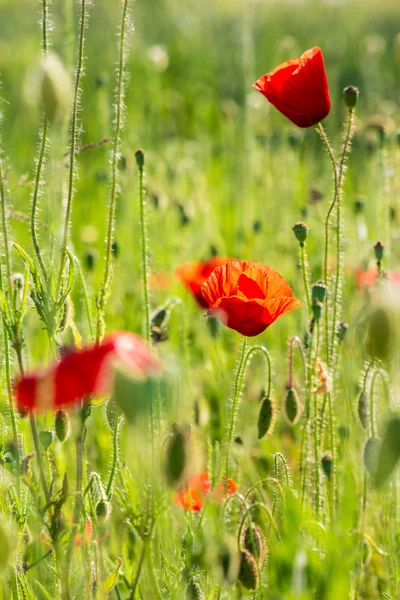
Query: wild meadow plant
{"type": "Point", "coordinates": [111, 485]}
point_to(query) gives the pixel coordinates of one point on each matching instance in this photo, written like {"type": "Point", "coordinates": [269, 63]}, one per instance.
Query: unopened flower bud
{"type": "Point", "coordinates": [317, 309]}
{"type": "Point", "coordinates": [318, 292]}
{"type": "Point", "coordinates": [139, 155]}
{"type": "Point", "coordinates": [379, 251]}
{"type": "Point", "coordinates": [248, 572]}
{"type": "Point", "coordinates": [300, 230]}
{"type": "Point", "coordinates": [292, 406]}
{"type": "Point", "coordinates": [62, 425]}
{"type": "Point", "coordinates": [266, 417]}
{"type": "Point", "coordinates": [362, 410]}
{"type": "Point", "coordinates": [103, 510]}
{"type": "Point", "coordinates": [350, 95]}
{"type": "Point", "coordinates": [194, 591]}
{"type": "Point", "coordinates": [46, 438]}
{"type": "Point", "coordinates": [176, 454]}
{"type": "Point", "coordinates": [253, 540]}
{"type": "Point", "coordinates": [327, 465]}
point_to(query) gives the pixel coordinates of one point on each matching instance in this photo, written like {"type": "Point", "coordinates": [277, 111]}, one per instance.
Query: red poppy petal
{"type": "Point", "coordinates": [244, 316]}
{"type": "Point", "coordinates": [249, 288]}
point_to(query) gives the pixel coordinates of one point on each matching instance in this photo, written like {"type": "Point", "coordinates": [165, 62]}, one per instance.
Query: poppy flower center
{"type": "Point", "coordinates": [249, 288]}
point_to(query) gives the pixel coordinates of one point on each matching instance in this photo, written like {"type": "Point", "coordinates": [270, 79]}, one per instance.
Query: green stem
{"type": "Point", "coordinates": [86, 299]}
{"type": "Point", "coordinates": [4, 224]}
{"type": "Point", "coordinates": [339, 241]}
{"type": "Point", "coordinates": [142, 202]}
{"type": "Point", "coordinates": [36, 190]}
{"type": "Point", "coordinates": [304, 270]}
{"type": "Point", "coordinates": [114, 174]}
{"type": "Point", "coordinates": [315, 432]}
{"type": "Point", "coordinates": [115, 453]}
{"type": "Point", "coordinates": [234, 408]}
{"type": "Point", "coordinates": [74, 126]}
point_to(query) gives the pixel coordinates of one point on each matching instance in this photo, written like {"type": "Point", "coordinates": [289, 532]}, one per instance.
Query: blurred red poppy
{"type": "Point", "coordinates": [193, 494]}
{"type": "Point", "coordinates": [193, 275]}
{"type": "Point", "coordinates": [85, 373]}
{"type": "Point", "coordinates": [368, 278]}
{"type": "Point", "coordinates": [248, 296]}
{"type": "Point", "coordinates": [298, 88]}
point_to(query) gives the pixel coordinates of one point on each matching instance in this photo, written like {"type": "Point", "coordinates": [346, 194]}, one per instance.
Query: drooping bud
{"type": "Point", "coordinates": [62, 425]}
{"type": "Point", "coordinates": [327, 465]}
{"type": "Point", "coordinates": [379, 251]}
{"type": "Point", "coordinates": [139, 155]}
{"type": "Point", "coordinates": [112, 412]}
{"type": "Point", "coordinates": [176, 453]}
{"type": "Point", "coordinates": [248, 572]}
{"type": "Point", "coordinates": [46, 438]}
{"type": "Point", "coordinates": [253, 540]}
{"type": "Point", "coordinates": [266, 417]}
{"type": "Point", "coordinates": [350, 95]}
{"type": "Point", "coordinates": [371, 452]}
{"type": "Point", "coordinates": [300, 230]}
{"type": "Point", "coordinates": [362, 408]}
{"type": "Point", "coordinates": [318, 292]}
{"type": "Point", "coordinates": [317, 309]}
{"type": "Point", "coordinates": [103, 510]}
{"type": "Point", "coordinates": [292, 406]}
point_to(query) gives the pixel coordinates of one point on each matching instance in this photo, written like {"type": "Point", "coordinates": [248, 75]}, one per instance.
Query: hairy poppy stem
{"type": "Point", "coordinates": [36, 190]}
{"type": "Point", "coordinates": [145, 269]}
{"type": "Point", "coordinates": [114, 175]}
{"type": "Point", "coordinates": [74, 127]}
{"type": "Point", "coordinates": [234, 408]}
{"type": "Point", "coordinates": [315, 429]}
{"type": "Point", "coordinates": [304, 270]}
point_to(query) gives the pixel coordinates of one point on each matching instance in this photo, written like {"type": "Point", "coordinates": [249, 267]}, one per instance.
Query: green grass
{"type": "Point", "coordinates": [225, 173]}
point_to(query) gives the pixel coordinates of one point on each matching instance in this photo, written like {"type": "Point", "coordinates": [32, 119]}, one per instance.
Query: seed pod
{"type": "Point", "coordinates": [379, 249]}
{"type": "Point", "coordinates": [317, 309]}
{"type": "Point", "coordinates": [318, 292]}
{"type": "Point", "coordinates": [371, 451]}
{"type": "Point", "coordinates": [103, 510]}
{"type": "Point", "coordinates": [139, 155]}
{"type": "Point", "coordinates": [300, 230]}
{"type": "Point", "coordinates": [292, 406]}
{"type": "Point", "coordinates": [327, 465]}
{"type": "Point", "coordinates": [46, 438]}
{"type": "Point", "coordinates": [266, 418]}
{"type": "Point", "coordinates": [350, 95]}
{"type": "Point", "coordinates": [253, 540]}
{"type": "Point", "coordinates": [363, 411]}
{"type": "Point", "coordinates": [194, 591]}
{"type": "Point", "coordinates": [62, 425]}
{"type": "Point", "coordinates": [248, 572]}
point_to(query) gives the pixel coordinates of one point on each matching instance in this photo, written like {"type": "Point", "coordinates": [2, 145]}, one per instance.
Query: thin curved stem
{"type": "Point", "coordinates": [74, 126]}
{"type": "Point", "coordinates": [115, 453]}
{"type": "Point", "coordinates": [234, 409]}
{"type": "Point", "coordinates": [304, 270]}
{"type": "Point", "coordinates": [114, 174]}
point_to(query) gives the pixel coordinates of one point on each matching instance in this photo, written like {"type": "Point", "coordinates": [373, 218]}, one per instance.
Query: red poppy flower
{"type": "Point", "coordinates": [248, 296]}
{"type": "Point", "coordinates": [192, 495]}
{"type": "Point", "coordinates": [85, 373]}
{"type": "Point", "coordinates": [193, 275]}
{"type": "Point", "coordinates": [299, 89]}
{"type": "Point", "coordinates": [368, 278]}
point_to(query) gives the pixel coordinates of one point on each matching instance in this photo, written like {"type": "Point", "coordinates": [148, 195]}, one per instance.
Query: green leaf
{"type": "Point", "coordinates": [389, 452]}
{"type": "Point", "coordinates": [43, 591]}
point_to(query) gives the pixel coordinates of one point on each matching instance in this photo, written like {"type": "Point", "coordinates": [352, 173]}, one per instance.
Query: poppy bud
{"type": "Point", "coordinates": [248, 572]}
{"type": "Point", "coordinates": [371, 451]}
{"type": "Point", "coordinates": [139, 155]}
{"type": "Point", "coordinates": [292, 406]}
{"type": "Point", "coordinates": [326, 462]}
{"type": "Point", "coordinates": [46, 438]}
{"type": "Point", "coordinates": [103, 510]}
{"type": "Point", "coordinates": [318, 292]}
{"type": "Point", "coordinates": [253, 540]}
{"type": "Point", "coordinates": [380, 334]}
{"type": "Point", "coordinates": [62, 425]}
{"type": "Point", "coordinates": [363, 412]}
{"type": "Point", "coordinates": [350, 95]}
{"type": "Point", "coordinates": [317, 309]}
{"type": "Point", "coordinates": [194, 591]}
{"type": "Point", "coordinates": [266, 418]}
{"type": "Point", "coordinates": [300, 230]}
{"type": "Point", "coordinates": [90, 259]}
{"type": "Point", "coordinates": [342, 330]}
{"type": "Point", "coordinates": [379, 251]}
{"type": "Point", "coordinates": [112, 412]}
{"type": "Point", "coordinates": [176, 455]}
